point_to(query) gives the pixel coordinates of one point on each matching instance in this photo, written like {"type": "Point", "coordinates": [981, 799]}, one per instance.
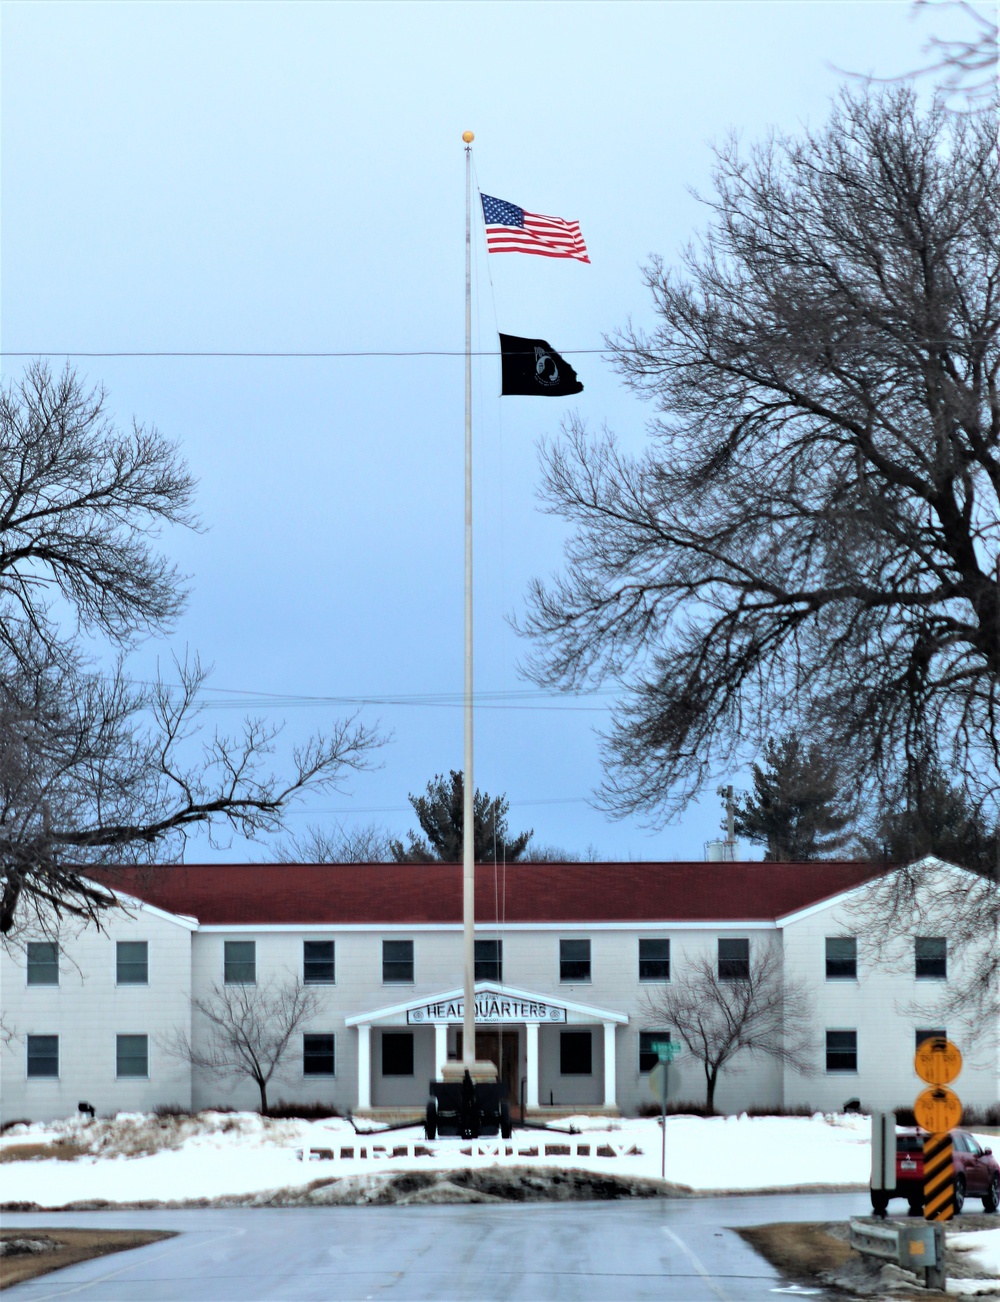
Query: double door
{"type": "Point", "coordinates": [502, 1048]}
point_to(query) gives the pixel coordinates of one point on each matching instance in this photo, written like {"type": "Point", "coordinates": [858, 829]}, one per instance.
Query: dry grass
{"type": "Point", "coordinates": [74, 1246]}
{"type": "Point", "coordinates": [802, 1251]}
{"type": "Point", "coordinates": [61, 1150]}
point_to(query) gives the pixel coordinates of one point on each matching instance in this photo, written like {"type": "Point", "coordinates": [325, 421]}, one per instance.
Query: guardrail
{"type": "Point", "coordinates": [916, 1247]}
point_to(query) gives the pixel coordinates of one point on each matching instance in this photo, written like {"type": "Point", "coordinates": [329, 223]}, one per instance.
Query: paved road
{"type": "Point", "coordinates": [671, 1250]}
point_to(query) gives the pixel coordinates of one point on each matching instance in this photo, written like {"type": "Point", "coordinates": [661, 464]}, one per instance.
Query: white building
{"type": "Point", "coordinates": [570, 959]}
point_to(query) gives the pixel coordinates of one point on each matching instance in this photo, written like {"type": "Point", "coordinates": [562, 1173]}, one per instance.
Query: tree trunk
{"type": "Point", "coordinates": [262, 1086]}
{"type": "Point", "coordinates": [711, 1076]}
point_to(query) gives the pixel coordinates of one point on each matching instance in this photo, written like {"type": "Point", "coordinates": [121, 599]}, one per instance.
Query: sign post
{"type": "Point", "coordinates": [938, 1110]}
{"type": "Point", "coordinates": [666, 1051]}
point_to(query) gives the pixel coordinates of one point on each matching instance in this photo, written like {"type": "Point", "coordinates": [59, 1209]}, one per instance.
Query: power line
{"type": "Point", "coordinates": [423, 352]}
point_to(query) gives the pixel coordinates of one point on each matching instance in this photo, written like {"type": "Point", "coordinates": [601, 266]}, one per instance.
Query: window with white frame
{"type": "Point", "coordinates": [576, 1053]}
{"type": "Point", "coordinates": [132, 1056]}
{"type": "Point", "coordinates": [43, 1057]}
{"type": "Point", "coordinates": [489, 960]}
{"type": "Point", "coordinates": [132, 963]}
{"type": "Point", "coordinates": [841, 958]}
{"type": "Point", "coordinates": [397, 1053]}
{"type": "Point", "coordinates": [930, 958]}
{"type": "Point", "coordinates": [43, 963]}
{"type": "Point", "coordinates": [734, 958]}
{"type": "Point", "coordinates": [574, 960]}
{"type": "Point", "coordinates": [318, 1055]}
{"type": "Point", "coordinates": [397, 962]}
{"type": "Point", "coordinates": [240, 963]}
{"type": "Point", "coordinates": [842, 1051]}
{"type": "Point", "coordinates": [654, 959]}
{"type": "Point", "coordinates": [318, 963]}
{"type": "Point", "coordinates": [648, 1056]}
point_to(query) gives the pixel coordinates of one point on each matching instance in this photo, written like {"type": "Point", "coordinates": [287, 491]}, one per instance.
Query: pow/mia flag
{"type": "Point", "coordinates": [532, 367]}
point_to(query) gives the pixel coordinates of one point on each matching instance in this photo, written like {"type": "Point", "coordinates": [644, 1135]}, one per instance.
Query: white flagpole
{"type": "Point", "coordinates": [468, 787]}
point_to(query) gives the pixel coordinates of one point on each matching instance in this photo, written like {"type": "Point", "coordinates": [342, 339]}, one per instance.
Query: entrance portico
{"type": "Point", "coordinates": [554, 1070]}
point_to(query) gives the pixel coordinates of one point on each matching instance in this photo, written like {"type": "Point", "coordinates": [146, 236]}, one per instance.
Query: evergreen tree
{"type": "Point", "coordinates": [795, 809]}
{"type": "Point", "coordinates": [939, 819]}
{"type": "Point", "coordinates": [440, 814]}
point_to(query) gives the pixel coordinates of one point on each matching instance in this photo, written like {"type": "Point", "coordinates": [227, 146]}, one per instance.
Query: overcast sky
{"type": "Point", "coordinates": [289, 177]}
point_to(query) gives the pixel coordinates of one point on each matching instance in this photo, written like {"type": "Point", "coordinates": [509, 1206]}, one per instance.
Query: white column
{"type": "Point", "coordinates": [531, 1063]}
{"type": "Point", "coordinates": [440, 1048]}
{"type": "Point", "coordinates": [610, 1067]}
{"type": "Point", "coordinates": [364, 1065]}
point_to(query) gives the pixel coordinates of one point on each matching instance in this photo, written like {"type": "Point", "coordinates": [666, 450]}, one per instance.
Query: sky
{"type": "Point", "coordinates": [290, 178]}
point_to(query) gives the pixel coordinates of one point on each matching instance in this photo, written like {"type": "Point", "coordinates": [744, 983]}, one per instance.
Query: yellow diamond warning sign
{"type": "Point", "coordinates": [938, 1062]}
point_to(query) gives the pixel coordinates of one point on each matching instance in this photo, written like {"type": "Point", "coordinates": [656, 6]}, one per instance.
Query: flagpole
{"type": "Point", "coordinates": [468, 787]}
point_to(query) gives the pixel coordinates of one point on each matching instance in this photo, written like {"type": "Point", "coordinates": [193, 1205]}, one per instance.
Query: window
{"type": "Point", "coordinates": [43, 963]}
{"type": "Point", "coordinates": [489, 960]}
{"type": "Point", "coordinates": [842, 1051]}
{"type": "Point", "coordinates": [734, 960]}
{"type": "Point", "coordinates": [931, 957]}
{"type": "Point", "coordinates": [648, 1057]}
{"type": "Point", "coordinates": [397, 966]}
{"type": "Point", "coordinates": [131, 1055]}
{"type": "Point", "coordinates": [574, 961]}
{"type": "Point", "coordinates": [132, 963]}
{"type": "Point", "coordinates": [318, 967]}
{"type": "Point", "coordinates": [43, 1056]}
{"type": "Point", "coordinates": [317, 1055]}
{"type": "Point", "coordinates": [241, 963]}
{"type": "Point", "coordinates": [841, 958]}
{"type": "Point", "coordinates": [939, 1034]}
{"type": "Point", "coordinates": [654, 960]}
{"type": "Point", "coordinates": [397, 1053]}
{"type": "Point", "coordinates": [575, 1054]}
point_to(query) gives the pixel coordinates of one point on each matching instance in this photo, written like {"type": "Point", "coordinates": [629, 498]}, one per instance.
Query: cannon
{"type": "Point", "coordinates": [467, 1109]}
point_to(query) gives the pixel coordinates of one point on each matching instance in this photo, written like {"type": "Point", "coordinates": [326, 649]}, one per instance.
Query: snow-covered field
{"type": "Point", "coordinates": [139, 1158]}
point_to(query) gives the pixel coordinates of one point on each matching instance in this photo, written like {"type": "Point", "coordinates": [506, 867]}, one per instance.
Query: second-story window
{"type": "Point", "coordinates": [930, 955]}
{"type": "Point", "coordinates": [132, 963]}
{"type": "Point", "coordinates": [734, 959]}
{"type": "Point", "coordinates": [397, 962]}
{"type": "Point", "coordinates": [489, 960]}
{"type": "Point", "coordinates": [574, 960]}
{"type": "Point", "coordinates": [43, 963]}
{"type": "Point", "coordinates": [240, 963]}
{"type": "Point", "coordinates": [654, 960]}
{"type": "Point", "coordinates": [841, 958]}
{"type": "Point", "coordinates": [318, 968]}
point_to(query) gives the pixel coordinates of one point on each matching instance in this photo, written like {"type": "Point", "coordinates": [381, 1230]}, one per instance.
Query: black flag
{"type": "Point", "coordinates": [534, 368]}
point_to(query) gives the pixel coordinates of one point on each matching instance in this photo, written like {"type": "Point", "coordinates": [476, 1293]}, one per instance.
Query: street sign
{"type": "Point", "coordinates": [666, 1050]}
{"type": "Point", "coordinates": [938, 1062]}
{"type": "Point", "coordinates": [658, 1082]}
{"type": "Point", "coordinates": [938, 1109]}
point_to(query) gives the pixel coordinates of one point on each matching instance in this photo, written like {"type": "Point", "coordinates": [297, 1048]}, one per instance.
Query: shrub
{"type": "Point", "coordinates": [302, 1111]}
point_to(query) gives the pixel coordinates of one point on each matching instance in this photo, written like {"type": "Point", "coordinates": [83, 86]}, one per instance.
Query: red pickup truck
{"type": "Point", "coordinates": [977, 1172]}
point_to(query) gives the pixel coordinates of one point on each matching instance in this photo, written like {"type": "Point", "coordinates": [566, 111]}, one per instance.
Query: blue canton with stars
{"type": "Point", "coordinates": [497, 212]}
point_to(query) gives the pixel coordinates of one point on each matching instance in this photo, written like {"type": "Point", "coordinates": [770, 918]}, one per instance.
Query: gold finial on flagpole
{"type": "Point", "coordinates": [468, 137]}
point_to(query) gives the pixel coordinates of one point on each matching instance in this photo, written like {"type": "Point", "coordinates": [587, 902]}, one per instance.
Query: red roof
{"type": "Point", "coordinates": [241, 894]}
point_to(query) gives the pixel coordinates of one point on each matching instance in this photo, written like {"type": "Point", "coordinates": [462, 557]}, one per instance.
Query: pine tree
{"type": "Point", "coordinates": [796, 809]}
{"type": "Point", "coordinates": [440, 814]}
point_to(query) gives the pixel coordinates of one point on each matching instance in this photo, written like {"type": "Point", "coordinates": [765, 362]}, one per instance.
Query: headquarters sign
{"type": "Point", "coordinates": [491, 1010]}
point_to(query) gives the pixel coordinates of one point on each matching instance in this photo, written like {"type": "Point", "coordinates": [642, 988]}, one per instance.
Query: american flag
{"type": "Point", "coordinates": [509, 229]}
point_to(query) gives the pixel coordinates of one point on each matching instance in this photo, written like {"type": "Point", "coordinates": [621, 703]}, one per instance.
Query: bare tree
{"type": "Point", "coordinates": [94, 766]}
{"type": "Point", "coordinates": [719, 1018]}
{"type": "Point", "coordinates": [812, 541]}
{"type": "Point", "coordinates": [969, 63]}
{"type": "Point", "coordinates": [363, 843]}
{"type": "Point", "coordinates": [250, 1031]}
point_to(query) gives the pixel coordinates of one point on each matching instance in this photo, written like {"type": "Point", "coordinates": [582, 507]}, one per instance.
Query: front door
{"type": "Point", "coordinates": [502, 1048]}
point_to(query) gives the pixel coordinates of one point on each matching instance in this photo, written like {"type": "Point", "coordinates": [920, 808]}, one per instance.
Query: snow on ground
{"type": "Point", "coordinates": [138, 1158]}
{"type": "Point", "coordinates": [983, 1249]}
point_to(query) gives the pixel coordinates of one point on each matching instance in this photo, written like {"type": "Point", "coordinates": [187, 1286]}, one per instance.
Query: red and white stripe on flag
{"type": "Point", "coordinates": [510, 229]}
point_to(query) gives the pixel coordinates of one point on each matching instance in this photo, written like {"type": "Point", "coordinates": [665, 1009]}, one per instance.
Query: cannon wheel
{"type": "Point", "coordinates": [431, 1120]}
